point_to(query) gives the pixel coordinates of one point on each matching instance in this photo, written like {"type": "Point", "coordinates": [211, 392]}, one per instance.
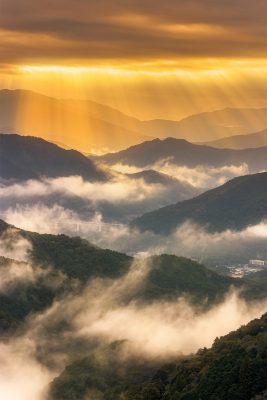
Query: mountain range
{"type": "Point", "coordinates": [92, 127]}
{"type": "Point", "coordinates": [215, 124]}
{"type": "Point", "coordinates": [83, 125]}
{"type": "Point", "coordinates": [66, 262]}
{"type": "Point", "coordinates": [184, 153]}
{"type": "Point", "coordinates": [23, 158]}
{"type": "Point", "coordinates": [253, 140]}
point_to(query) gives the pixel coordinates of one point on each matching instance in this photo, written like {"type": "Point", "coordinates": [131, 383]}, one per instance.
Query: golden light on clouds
{"type": "Point", "coordinates": [150, 59]}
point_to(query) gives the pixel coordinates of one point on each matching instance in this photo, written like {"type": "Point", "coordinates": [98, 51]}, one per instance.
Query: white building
{"type": "Point", "coordinates": [257, 263]}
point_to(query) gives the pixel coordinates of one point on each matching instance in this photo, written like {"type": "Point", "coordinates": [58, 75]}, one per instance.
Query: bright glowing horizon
{"type": "Point", "coordinates": [149, 60]}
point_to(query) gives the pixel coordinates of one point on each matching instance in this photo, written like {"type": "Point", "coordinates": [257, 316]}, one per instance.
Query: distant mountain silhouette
{"type": "Point", "coordinates": [25, 157]}
{"type": "Point", "coordinates": [84, 125]}
{"type": "Point", "coordinates": [254, 140]}
{"type": "Point", "coordinates": [92, 127]}
{"type": "Point", "coordinates": [183, 153]}
{"type": "Point", "coordinates": [235, 205]}
{"type": "Point", "coordinates": [209, 126]}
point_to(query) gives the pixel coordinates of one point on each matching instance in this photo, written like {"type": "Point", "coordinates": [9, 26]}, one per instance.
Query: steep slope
{"type": "Point", "coordinates": [24, 157]}
{"type": "Point", "coordinates": [183, 153]}
{"type": "Point", "coordinates": [102, 375]}
{"type": "Point", "coordinates": [254, 140]}
{"type": "Point", "coordinates": [172, 276]}
{"type": "Point", "coordinates": [234, 368]}
{"type": "Point", "coordinates": [75, 257]}
{"type": "Point", "coordinates": [83, 125]}
{"type": "Point", "coordinates": [57, 264]}
{"type": "Point", "coordinates": [25, 291]}
{"type": "Point", "coordinates": [235, 205]}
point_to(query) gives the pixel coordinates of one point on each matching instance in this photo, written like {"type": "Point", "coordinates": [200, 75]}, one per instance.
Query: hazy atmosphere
{"type": "Point", "coordinates": [133, 200]}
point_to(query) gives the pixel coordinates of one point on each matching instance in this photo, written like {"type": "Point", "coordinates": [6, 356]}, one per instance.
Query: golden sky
{"type": "Point", "coordinates": [149, 58]}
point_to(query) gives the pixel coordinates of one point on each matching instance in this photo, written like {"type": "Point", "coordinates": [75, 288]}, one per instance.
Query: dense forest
{"type": "Point", "coordinates": [70, 263]}
{"type": "Point", "coordinates": [234, 368]}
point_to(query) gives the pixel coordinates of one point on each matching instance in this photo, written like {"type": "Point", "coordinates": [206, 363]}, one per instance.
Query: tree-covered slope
{"type": "Point", "coordinates": [235, 205]}
{"type": "Point", "coordinates": [235, 368]}
{"type": "Point", "coordinates": [59, 261]}
{"type": "Point", "coordinates": [27, 293]}
{"type": "Point", "coordinates": [102, 376]}
{"type": "Point", "coordinates": [171, 277]}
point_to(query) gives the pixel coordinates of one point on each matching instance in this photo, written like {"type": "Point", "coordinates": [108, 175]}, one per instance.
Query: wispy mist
{"type": "Point", "coordinates": [202, 177]}
{"type": "Point", "coordinates": [189, 239]}
{"type": "Point", "coordinates": [105, 311]}
{"type": "Point", "coordinates": [120, 199]}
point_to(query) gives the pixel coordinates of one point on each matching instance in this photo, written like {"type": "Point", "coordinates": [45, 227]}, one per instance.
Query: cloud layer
{"type": "Point", "coordinates": [100, 30]}
{"type": "Point", "coordinates": [189, 240]}
{"type": "Point", "coordinates": [101, 314]}
{"type": "Point", "coordinates": [119, 200]}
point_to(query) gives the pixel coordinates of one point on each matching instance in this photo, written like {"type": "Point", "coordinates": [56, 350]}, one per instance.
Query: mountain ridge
{"type": "Point", "coordinates": [92, 127]}
{"type": "Point", "coordinates": [184, 153]}
{"type": "Point", "coordinates": [239, 142]}
{"type": "Point", "coordinates": [237, 204]}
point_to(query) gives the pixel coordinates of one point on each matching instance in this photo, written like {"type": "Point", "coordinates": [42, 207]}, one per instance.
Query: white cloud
{"type": "Point", "coordinates": [22, 377]}
{"type": "Point", "coordinates": [120, 199]}
{"type": "Point", "coordinates": [15, 246]}
{"type": "Point", "coordinates": [204, 177]}
{"type": "Point", "coordinates": [190, 240]}
{"type": "Point", "coordinates": [108, 310]}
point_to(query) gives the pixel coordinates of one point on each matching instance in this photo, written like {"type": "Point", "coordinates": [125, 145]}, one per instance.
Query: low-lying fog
{"type": "Point", "coordinates": [99, 315]}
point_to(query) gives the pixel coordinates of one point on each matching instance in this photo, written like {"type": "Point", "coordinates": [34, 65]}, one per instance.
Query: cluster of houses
{"type": "Point", "coordinates": [238, 271]}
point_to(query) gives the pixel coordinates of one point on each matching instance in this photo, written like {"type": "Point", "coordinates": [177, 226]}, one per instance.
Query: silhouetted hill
{"type": "Point", "coordinates": [183, 153]}
{"type": "Point", "coordinates": [25, 157]}
{"type": "Point", "coordinates": [254, 140]}
{"type": "Point", "coordinates": [235, 205]}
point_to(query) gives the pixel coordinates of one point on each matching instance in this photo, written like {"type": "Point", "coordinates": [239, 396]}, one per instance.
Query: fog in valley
{"type": "Point", "coordinates": [102, 312]}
